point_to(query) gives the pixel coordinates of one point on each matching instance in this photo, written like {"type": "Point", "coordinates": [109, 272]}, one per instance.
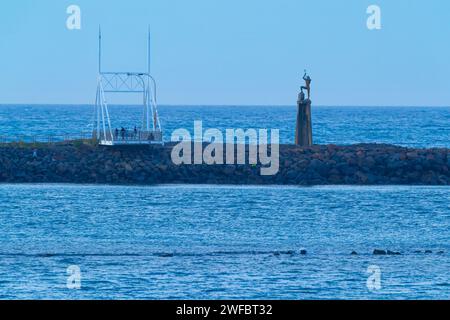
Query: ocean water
{"type": "Point", "coordinates": [414, 126]}
{"type": "Point", "coordinates": [203, 242]}
{"type": "Point", "coordinates": [213, 242]}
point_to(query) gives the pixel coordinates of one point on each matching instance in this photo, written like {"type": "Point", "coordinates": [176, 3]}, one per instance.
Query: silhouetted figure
{"type": "Point", "coordinates": [116, 134]}
{"type": "Point", "coordinates": [307, 86]}
{"type": "Point", "coordinates": [135, 133]}
{"type": "Point", "coordinates": [301, 96]}
{"type": "Point", "coordinates": [122, 133]}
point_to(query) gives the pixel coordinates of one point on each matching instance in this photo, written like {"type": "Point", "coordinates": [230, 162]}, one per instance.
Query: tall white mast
{"type": "Point", "coordinates": [149, 51]}
{"type": "Point", "coordinates": [99, 49]}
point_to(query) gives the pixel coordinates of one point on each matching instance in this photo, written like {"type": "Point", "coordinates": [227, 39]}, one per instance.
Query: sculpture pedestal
{"type": "Point", "coordinates": [303, 130]}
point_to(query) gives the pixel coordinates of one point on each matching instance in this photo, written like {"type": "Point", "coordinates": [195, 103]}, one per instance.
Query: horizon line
{"type": "Point", "coordinates": [229, 105]}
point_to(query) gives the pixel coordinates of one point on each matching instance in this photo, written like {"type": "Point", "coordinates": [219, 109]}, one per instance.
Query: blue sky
{"type": "Point", "coordinates": [227, 52]}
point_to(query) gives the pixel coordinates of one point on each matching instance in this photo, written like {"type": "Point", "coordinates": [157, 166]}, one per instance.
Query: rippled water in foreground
{"type": "Point", "coordinates": [202, 242]}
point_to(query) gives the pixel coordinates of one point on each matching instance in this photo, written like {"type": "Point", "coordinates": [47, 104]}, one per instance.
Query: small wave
{"type": "Point", "coordinates": [152, 254]}
{"type": "Point", "coordinates": [62, 255]}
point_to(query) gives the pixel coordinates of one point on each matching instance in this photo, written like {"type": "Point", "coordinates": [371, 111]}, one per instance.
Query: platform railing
{"type": "Point", "coordinates": [127, 137]}
{"type": "Point", "coordinates": [131, 137]}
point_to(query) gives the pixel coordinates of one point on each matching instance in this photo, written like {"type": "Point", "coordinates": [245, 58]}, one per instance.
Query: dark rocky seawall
{"type": "Point", "coordinates": [365, 164]}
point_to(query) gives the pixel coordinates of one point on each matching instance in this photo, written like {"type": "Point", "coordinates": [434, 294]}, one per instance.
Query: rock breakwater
{"type": "Point", "coordinates": [363, 164]}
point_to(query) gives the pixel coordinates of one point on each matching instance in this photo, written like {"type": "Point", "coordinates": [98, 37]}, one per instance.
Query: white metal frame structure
{"type": "Point", "coordinates": [126, 82]}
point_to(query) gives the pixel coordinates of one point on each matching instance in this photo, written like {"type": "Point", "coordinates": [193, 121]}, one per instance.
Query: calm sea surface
{"type": "Point", "coordinates": [206, 242]}
{"type": "Point", "coordinates": [209, 242]}
{"type": "Point", "coordinates": [418, 126]}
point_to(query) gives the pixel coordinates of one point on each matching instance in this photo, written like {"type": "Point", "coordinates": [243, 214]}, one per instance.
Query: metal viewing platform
{"type": "Point", "coordinates": [142, 83]}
